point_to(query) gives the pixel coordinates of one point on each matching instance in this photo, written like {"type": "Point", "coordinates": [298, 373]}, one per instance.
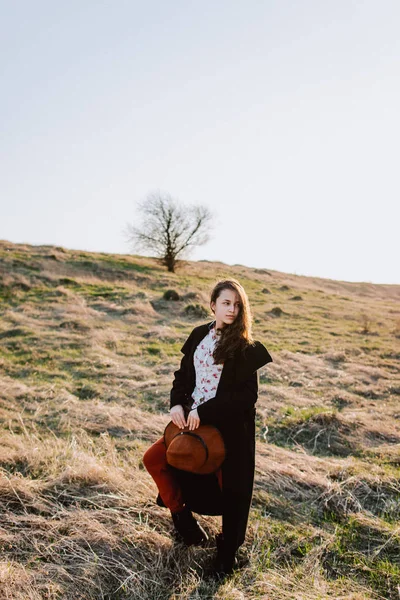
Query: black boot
{"type": "Point", "coordinates": [225, 562]}
{"type": "Point", "coordinates": [188, 528]}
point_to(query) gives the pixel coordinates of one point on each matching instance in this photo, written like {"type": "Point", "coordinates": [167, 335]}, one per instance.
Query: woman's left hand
{"type": "Point", "coordinates": [193, 420]}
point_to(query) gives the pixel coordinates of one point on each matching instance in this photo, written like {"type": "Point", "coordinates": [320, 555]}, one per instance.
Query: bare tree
{"type": "Point", "coordinates": [169, 229]}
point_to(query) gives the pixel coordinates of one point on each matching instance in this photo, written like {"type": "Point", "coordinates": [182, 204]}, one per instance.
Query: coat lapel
{"type": "Point", "coordinates": [198, 334]}
{"type": "Point", "coordinates": [227, 372]}
{"type": "Point", "coordinates": [237, 368]}
{"type": "Point", "coordinates": [254, 358]}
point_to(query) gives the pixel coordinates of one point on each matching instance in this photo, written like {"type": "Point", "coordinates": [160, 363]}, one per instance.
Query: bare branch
{"type": "Point", "coordinates": [169, 228]}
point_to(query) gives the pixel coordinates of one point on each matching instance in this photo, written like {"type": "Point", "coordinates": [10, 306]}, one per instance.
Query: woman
{"type": "Point", "coordinates": [216, 383]}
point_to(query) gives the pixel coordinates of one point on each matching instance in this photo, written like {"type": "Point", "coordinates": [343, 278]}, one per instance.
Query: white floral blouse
{"type": "Point", "coordinates": [207, 372]}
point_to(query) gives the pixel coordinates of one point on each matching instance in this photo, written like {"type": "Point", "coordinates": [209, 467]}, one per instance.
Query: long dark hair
{"type": "Point", "coordinates": [238, 335]}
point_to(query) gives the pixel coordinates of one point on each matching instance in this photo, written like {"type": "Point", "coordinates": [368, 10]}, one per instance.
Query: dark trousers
{"type": "Point", "coordinates": [156, 464]}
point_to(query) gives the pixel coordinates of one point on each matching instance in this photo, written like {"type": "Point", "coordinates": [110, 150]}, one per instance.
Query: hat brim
{"type": "Point", "coordinates": [201, 450]}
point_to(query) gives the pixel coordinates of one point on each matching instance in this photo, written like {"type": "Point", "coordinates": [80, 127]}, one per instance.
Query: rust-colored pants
{"type": "Point", "coordinates": [156, 464]}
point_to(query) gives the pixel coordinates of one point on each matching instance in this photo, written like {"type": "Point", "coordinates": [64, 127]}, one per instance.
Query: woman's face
{"type": "Point", "coordinates": [226, 308]}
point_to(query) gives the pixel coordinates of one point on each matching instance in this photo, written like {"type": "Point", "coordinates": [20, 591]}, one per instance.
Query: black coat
{"type": "Point", "coordinates": [233, 411]}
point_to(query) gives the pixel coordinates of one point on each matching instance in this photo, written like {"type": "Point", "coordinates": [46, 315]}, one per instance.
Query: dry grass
{"type": "Point", "coordinates": [88, 346]}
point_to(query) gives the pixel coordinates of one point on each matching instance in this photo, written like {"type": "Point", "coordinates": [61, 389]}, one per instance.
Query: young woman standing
{"type": "Point", "coordinates": [216, 383]}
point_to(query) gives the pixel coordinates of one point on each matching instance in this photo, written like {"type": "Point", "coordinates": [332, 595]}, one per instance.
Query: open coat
{"type": "Point", "coordinates": [232, 411]}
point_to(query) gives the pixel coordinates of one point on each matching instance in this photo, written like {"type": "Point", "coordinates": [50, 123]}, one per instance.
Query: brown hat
{"type": "Point", "coordinates": [200, 450]}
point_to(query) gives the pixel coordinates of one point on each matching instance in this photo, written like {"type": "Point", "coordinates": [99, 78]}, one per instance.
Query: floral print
{"type": "Point", "coordinates": [207, 372]}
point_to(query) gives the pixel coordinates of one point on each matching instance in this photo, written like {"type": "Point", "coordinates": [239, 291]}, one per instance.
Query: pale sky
{"type": "Point", "coordinates": [281, 116]}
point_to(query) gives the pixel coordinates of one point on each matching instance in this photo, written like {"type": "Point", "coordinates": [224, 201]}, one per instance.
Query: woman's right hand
{"type": "Point", "coordinates": [178, 416]}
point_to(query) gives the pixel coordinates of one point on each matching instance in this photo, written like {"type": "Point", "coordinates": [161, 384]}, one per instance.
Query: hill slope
{"type": "Point", "coordinates": [88, 346]}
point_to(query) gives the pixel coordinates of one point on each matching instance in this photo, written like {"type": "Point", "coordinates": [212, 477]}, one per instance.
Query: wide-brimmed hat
{"type": "Point", "coordinates": [200, 450]}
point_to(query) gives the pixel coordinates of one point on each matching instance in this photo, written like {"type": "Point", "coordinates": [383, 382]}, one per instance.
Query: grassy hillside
{"type": "Point", "coordinates": [88, 346]}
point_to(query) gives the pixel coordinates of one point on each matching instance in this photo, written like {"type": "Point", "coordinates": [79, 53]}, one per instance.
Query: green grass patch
{"type": "Point", "coordinates": [125, 264]}
{"type": "Point", "coordinates": [367, 553]}
{"type": "Point", "coordinates": [317, 428]}
{"type": "Point", "coordinates": [284, 544]}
